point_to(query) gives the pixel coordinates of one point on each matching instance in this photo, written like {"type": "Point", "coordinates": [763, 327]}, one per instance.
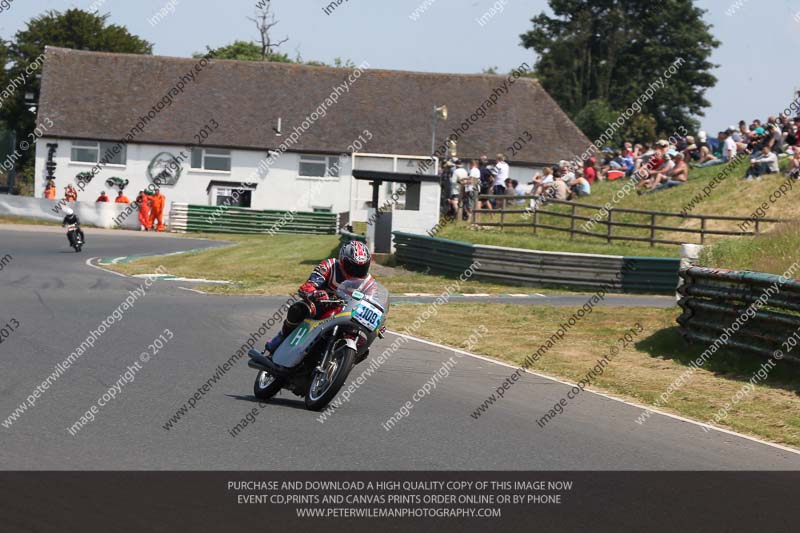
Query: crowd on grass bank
{"type": "Point", "coordinates": [651, 167]}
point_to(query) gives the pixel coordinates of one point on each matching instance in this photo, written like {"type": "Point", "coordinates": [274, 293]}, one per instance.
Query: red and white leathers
{"type": "Point", "coordinates": [320, 287]}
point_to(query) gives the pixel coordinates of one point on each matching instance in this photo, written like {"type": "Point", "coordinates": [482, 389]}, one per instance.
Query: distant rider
{"type": "Point", "coordinates": [70, 219]}
{"type": "Point", "coordinates": [353, 263]}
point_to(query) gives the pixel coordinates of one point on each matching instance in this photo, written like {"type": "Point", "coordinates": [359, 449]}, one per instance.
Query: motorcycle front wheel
{"type": "Point", "coordinates": [266, 385]}
{"type": "Point", "coordinates": [325, 384]}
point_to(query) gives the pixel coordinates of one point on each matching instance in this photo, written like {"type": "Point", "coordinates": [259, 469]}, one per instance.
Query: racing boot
{"type": "Point", "coordinates": [275, 342]}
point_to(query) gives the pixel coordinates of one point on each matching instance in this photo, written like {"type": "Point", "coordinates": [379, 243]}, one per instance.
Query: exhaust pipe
{"type": "Point", "coordinates": [255, 366]}
{"type": "Point", "coordinates": [267, 364]}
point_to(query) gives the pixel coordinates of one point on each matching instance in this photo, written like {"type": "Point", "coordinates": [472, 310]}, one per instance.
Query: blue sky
{"type": "Point", "coordinates": [755, 74]}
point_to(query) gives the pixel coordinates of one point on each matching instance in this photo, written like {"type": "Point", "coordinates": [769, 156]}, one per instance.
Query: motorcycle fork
{"type": "Point", "coordinates": [328, 349]}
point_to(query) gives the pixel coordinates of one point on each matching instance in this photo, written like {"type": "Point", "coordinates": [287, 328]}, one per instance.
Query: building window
{"type": "Point", "coordinates": [98, 152]}
{"type": "Point", "coordinates": [319, 166]}
{"type": "Point", "coordinates": [232, 196]}
{"type": "Point", "coordinates": [210, 159]}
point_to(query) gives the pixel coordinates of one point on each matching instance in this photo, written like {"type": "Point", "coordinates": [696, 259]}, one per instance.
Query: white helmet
{"type": "Point", "coordinates": [69, 212]}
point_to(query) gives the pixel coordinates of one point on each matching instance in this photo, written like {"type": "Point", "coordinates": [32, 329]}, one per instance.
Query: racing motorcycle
{"type": "Point", "coordinates": [74, 236]}
{"type": "Point", "coordinates": [316, 358]}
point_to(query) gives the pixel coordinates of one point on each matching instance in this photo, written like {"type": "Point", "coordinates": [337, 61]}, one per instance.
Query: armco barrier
{"type": "Point", "coordinates": [221, 219]}
{"type": "Point", "coordinates": [516, 266]}
{"type": "Point", "coordinates": [101, 215]}
{"type": "Point", "coordinates": [712, 300]}
{"type": "Point", "coordinates": [346, 236]}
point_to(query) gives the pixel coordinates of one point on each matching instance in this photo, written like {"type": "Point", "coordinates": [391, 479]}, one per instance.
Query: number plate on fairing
{"type": "Point", "coordinates": [368, 315]}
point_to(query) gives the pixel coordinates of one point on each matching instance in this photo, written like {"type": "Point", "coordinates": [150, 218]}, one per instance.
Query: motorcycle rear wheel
{"type": "Point", "coordinates": [324, 388]}
{"type": "Point", "coordinates": [266, 385]}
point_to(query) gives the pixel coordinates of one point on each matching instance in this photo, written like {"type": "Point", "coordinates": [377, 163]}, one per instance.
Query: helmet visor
{"type": "Point", "coordinates": [354, 270]}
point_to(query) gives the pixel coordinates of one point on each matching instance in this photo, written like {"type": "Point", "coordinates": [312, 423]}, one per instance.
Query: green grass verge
{"type": "Point", "coordinates": [263, 264]}
{"type": "Point", "coordinates": [641, 372]}
{"type": "Point", "coordinates": [774, 252]}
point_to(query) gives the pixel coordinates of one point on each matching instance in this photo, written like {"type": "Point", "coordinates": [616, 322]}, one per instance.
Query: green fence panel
{"type": "Point", "coordinates": [519, 267]}
{"type": "Point", "coordinates": [221, 219]}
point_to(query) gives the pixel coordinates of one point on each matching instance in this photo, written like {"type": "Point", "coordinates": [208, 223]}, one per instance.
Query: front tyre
{"type": "Point", "coordinates": [266, 385]}
{"type": "Point", "coordinates": [325, 385]}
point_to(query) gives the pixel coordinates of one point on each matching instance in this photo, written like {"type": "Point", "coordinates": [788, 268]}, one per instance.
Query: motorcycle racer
{"type": "Point", "coordinates": [353, 263]}
{"type": "Point", "coordinates": [70, 219]}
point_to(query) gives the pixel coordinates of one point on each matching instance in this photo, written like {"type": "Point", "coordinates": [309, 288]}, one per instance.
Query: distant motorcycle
{"type": "Point", "coordinates": [75, 237]}
{"type": "Point", "coordinates": [316, 358]}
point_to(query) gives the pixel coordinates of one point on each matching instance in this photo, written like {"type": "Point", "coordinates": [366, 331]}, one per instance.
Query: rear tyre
{"type": "Point", "coordinates": [266, 385]}
{"type": "Point", "coordinates": [325, 385]}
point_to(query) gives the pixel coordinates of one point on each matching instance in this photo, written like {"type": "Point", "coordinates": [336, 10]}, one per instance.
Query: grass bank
{"type": "Point", "coordinates": [731, 197]}
{"type": "Point", "coordinates": [774, 252]}
{"type": "Point", "coordinates": [640, 373]}
{"type": "Point", "coordinates": [263, 264]}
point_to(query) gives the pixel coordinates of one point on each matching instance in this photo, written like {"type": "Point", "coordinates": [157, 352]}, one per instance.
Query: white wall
{"type": "Point", "coordinates": [426, 218]}
{"type": "Point", "coordinates": [281, 188]}
{"type": "Point", "coordinates": [101, 215]}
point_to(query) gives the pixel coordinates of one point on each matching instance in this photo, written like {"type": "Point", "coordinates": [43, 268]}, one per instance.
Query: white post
{"type": "Point", "coordinates": [690, 255]}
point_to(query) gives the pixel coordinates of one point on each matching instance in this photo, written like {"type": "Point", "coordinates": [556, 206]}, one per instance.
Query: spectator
{"type": "Point", "coordinates": [145, 204]}
{"type": "Point", "coordinates": [580, 187]}
{"type": "Point", "coordinates": [794, 165]}
{"type": "Point", "coordinates": [70, 194]}
{"type": "Point", "coordinates": [774, 139]}
{"type": "Point", "coordinates": [658, 164]}
{"type": "Point", "coordinates": [559, 189]}
{"type": "Point", "coordinates": [122, 199]}
{"type": "Point", "coordinates": [766, 163]}
{"type": "Point", "coordinates": [744, 135]}
{"type": "Point", "coordinates": [702, 141]}
{"type": "Point", "coordinates": [102, 198]}
{"type": "Point", "coordinates": [692, 151]}
{"type": "Point", "coordinates": [469, 188]}
{"type": "Point", "coordinates": [50, 190]}
{"type": "Point", "coordinates": [457, 178]}
{"type": "Point", "coordinates": [487, 181]}
{"type": "Point", "coordinates": [503, 173]}
{"type": "Point", "coordinates": [627, 149]}
{"type": "Point", "coordinates": [588, 170]}
{"type": "Point", "coordinates": [542, 182]}
{"type": "Point", "coordinates": [675, 177]}
{"type": "Point", "coordinates": [791, 139]}
{"type": "Point", "coordinates": [728, 150]}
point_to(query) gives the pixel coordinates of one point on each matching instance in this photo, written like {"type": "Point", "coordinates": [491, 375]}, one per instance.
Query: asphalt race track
{"type": "Point", "coordinates": [57, 299]}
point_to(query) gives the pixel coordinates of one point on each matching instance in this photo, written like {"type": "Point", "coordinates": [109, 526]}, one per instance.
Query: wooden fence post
{"type": "Point", "coordinates": [610, 225]}
{"type": "Point", "coordinates": [536, 221]}
{"type": "Point", "coordinates": [652, 230]}
{"type": "Point", "coordinates": [572, 223]}
{"type": "Point", "coordinates": [702, 230]}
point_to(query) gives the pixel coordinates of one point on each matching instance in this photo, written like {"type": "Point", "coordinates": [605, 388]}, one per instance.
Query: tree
{"type": "Point", "coordinates": [75, 29]}
{"type": "Point", "coordinates": [265, 20]}
{"type": "Point", "coordinates": [242, 51]}
{"type": "Point", "coordinates": [612, 50]}
{"type": "Point", "coordinates": [593, 120]}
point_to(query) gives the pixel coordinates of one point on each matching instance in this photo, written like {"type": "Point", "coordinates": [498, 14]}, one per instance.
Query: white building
{"type": "Point", "coordinates": [279, 136]}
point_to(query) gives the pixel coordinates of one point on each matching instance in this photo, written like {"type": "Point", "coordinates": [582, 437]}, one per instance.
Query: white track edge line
{"type": "Point", "coordinates": [89, 263]}
{"type": "Point", "coordinates": [604, 395]}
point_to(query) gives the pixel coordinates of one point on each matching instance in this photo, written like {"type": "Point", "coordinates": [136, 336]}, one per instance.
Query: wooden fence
{"type": "Point", "coordinates": [534, 220]}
